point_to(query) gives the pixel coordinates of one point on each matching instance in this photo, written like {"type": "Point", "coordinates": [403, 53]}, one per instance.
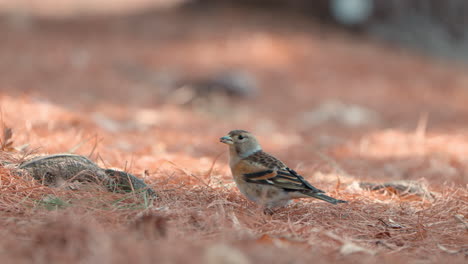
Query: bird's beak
{"type": "Point", "coordinates": [226, 140]}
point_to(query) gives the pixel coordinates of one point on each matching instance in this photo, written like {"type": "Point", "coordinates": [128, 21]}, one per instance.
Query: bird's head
{"type": "Point", "coordinates": [241, 142]}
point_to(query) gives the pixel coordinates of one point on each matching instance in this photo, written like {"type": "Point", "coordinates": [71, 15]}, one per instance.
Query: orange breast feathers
{"type": "Point", "coordinates": [245, 167]}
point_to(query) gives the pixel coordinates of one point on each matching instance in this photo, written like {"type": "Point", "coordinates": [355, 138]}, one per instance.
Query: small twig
{"type": "Point", "coordinates": [125, 167]}
{"type": "Point", "coordinates": [212, 167]}
{"type": "Point", "coordinates": [421, 128]}
{"type": "Point", "coordinates": [102, 160]}
{"type": "Point", "coordinates": [338, 182]}
{"type": "Point", "coordinates": [131, 163]}
{"type": "Point", "coordinates": [383, 222]}
{"type": "Point", "coordinates": [449, 251]}
{"type": "Point", "coordinates": [392, 224]}
{"type": "Point", "coordinates": [96, 142]}
{"type": "Point", "coordinates": [26, 154]}
{"type": "Point", "coordinates": [131, 184]}
{"type": "Point", "coordinates": [420, 132]}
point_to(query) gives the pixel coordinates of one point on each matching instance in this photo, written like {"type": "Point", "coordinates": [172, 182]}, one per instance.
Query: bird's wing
{"type": "Point", "coordinates": [262, 168]}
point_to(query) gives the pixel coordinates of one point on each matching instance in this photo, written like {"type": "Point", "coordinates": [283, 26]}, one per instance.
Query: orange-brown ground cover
{"type": "Point", "coordinates": [66, 87]}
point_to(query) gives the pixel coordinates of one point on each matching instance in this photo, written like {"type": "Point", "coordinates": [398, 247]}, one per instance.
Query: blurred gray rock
{"type": "Point", "coordinates": [54, 170]}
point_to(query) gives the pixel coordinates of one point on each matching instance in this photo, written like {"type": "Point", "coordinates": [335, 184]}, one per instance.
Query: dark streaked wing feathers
{"type": "Point", "coordinates": [299, 177]}
{"type": "Point", "coordinates": [276, 173]}
{"type": "Point", "coordinates": [258, 174]}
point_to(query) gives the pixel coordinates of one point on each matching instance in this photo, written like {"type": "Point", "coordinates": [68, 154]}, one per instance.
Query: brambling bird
{"type": "Point", "coordinates": [263, 178]}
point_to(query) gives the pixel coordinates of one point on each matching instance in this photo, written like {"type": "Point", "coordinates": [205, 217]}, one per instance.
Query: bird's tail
{"type": "Point", "coordinates": [325, 198]}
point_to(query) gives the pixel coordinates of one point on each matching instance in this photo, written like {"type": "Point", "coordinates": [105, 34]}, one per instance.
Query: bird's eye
{"type": "Point", "coordinates": [240, 137]}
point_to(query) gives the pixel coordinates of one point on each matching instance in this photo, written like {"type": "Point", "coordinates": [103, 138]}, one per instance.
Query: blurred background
{"type": "Point", "coordinates": [216, 34]}
{"type": "Point", "coordinates": [436, 27]}
{"type": "Point", "coordinates": [373, 80]}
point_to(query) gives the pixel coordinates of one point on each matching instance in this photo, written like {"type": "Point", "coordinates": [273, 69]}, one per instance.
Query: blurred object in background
{"type": "Point", "coordinates": [76, 8]}
{"type": "Point", "coordinates": [232, 83]}
{"type": "Point", "coordinates": [183, 88]}
{"type": "Point", "coordinates": [435, 27]}
{"type": "Point", "coordinates": [432, 26]}
{"type": "Point", "coordinates": [201, 89]}
{"type": "Point", "coordinates": [351, 12]}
